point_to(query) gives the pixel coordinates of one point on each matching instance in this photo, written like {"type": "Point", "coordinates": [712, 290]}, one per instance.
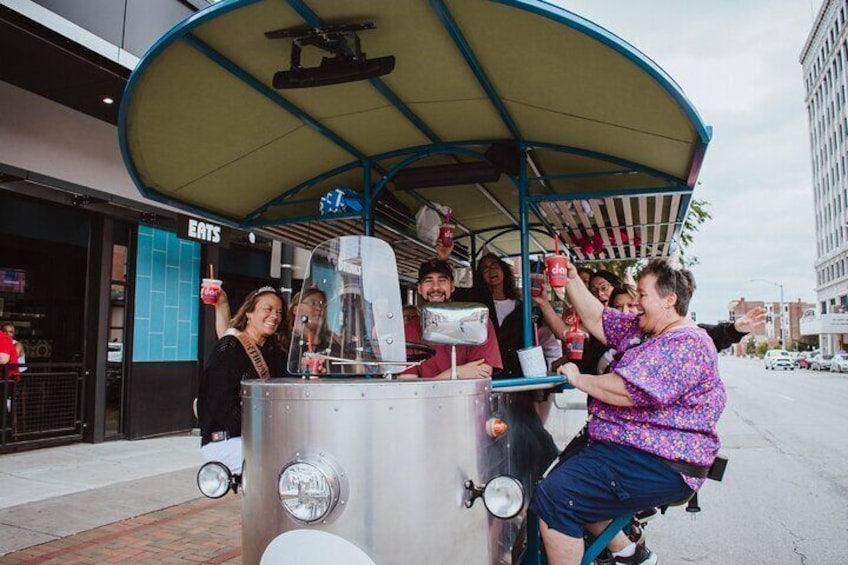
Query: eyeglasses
{"type": "Point", "coordinates": [489, 267]}
{"type": "Point", "coordinates": [313, 303]}
{"type": "Point", "coordinates": [603, 287]}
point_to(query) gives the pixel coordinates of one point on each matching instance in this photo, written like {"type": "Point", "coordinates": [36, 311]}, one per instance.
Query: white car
{"type": "Point", "coordinates": [115, 353]}
{"type": "Point", "coordinates": [778, 359]}
{"type": "Point", "coordinates": [821, 362]}
{"type": "Point", "coordinates": [839, 363]}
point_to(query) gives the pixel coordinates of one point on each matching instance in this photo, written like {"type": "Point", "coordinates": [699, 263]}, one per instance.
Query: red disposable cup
{"type": "Point", "coordinates": [574, 341]}
{"type": "Point", "coordinates": [557, 267]}
{"type": "Point", "coordinates": [210, 290]}
{"type": "Point", "coordinates": [312, 364]}
{"type": "Point", "coordinates": [446, 235]}
{"type": "Point", "coordinates": [537, 284]}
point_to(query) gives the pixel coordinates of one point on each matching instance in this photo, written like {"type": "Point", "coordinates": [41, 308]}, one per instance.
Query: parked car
{"type": "Point", "coordinates": [803, 360]}
{"type": "Point", "coordinates": [839, 363]}
{"type": "Point", "coordinates": [821, 362]}
{"type": "Point", "coordinates": [778, 359]}
{"type": "Point", "coordinates": [115, 353]}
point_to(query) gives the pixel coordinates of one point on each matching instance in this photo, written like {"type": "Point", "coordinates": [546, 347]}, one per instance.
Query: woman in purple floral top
{"type": "Point", "coordinates": [652, 428]}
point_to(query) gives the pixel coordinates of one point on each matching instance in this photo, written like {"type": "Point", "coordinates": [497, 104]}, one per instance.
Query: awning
{"type": "Point", "coordinates": [609, 144]}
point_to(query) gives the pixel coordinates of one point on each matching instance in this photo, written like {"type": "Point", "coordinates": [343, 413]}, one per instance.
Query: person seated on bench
{"type": "Point", "coordinates": [652, 432]}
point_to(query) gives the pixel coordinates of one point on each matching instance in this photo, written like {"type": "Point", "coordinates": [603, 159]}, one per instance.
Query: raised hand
{"type": "Point", "coordinates": [752, 317]}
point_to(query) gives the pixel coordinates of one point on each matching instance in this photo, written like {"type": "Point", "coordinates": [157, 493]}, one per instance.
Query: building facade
{"type": "Point", "coordinates": [824, 61]}
{"type": "Point", "coordinates": [770, 330]}
{"type": "Point", "coordinates": [101, 284]}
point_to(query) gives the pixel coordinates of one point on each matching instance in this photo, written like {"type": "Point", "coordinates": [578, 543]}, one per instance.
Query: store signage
{"type": "Point", "coordinates": [202, 231]}
{"type": "Point", "coordinates": [825, 324]}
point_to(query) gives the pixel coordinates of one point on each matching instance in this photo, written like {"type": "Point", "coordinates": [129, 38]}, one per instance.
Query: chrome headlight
{"type": "Point", "coordinates": [309, 489]}
{"type": "Point", "coordinates": [503, 497]}
{"type": "Point", "coordinates": [214, 479]}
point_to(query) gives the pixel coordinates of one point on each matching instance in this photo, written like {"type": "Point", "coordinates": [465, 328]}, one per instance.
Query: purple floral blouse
{"type": "Point", "coordinates": [676, 390]}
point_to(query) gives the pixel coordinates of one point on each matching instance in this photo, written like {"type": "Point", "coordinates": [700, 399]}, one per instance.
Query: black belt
{"type": "Point", "coordinates": [689, 469]}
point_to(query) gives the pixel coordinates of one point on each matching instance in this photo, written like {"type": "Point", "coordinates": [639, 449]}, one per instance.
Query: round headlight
{"type": "Point", "coordinates": [503, 497]}
{"type": "Point", "coordinates": [309, 490]}
{"type": "Point", "coordinates": [214, 479]}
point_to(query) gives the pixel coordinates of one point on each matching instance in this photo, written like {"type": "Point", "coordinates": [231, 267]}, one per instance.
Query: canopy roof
{"type": "Point", "coordinates": [605, 143]}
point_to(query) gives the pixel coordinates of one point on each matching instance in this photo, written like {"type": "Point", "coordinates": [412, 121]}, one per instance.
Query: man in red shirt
{"type": "Point", "coordinates": [9, 356]}
{"type": "Point", "coordinates": [435, 284]}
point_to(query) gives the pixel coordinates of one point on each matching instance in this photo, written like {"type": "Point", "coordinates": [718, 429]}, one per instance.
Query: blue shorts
{"type": "Point", "coordinates": [601, 482]}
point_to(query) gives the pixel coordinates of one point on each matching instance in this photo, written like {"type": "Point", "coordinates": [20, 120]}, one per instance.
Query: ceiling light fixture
{"type": "Point", "coordinates": [107, 100]}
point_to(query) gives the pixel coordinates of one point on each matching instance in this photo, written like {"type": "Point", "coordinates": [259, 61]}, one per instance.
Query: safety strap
{"type": "Point", "coordinates": [255, 356]}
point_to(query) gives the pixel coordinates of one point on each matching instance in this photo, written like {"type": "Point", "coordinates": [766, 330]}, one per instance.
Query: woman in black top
{"type": "Point", "coordinates": [261, 323]}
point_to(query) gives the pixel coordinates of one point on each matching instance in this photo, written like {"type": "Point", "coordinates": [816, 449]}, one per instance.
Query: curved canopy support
{"type": "Point", "coordinates": [611, 144]}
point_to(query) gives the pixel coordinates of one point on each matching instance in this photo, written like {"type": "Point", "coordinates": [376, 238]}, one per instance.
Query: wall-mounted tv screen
{"type": "Point", "coordinates": [12, 280]}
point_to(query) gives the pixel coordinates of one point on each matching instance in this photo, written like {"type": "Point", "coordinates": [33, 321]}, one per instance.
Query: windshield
{"type": "Point", "coordinates": [349, 320]}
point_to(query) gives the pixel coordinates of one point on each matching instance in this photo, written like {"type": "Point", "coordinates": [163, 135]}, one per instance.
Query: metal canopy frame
{"type": "Point", "coordinates": [611, 147]}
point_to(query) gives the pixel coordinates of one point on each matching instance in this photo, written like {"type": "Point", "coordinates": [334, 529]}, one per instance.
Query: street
{"type": "Point", "coordinates": [784, 497]}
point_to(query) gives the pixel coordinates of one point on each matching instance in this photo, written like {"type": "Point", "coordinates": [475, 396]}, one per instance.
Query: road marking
{"type": "Point", "coordinates": [789, 398]}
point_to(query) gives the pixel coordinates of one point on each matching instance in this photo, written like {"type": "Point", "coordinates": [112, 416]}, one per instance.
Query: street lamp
{"type": "Point", "coordinates": [781, 304]}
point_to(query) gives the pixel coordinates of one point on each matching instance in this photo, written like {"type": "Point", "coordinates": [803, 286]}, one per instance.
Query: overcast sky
{"type": "Point", "coordinates": [738, 64]}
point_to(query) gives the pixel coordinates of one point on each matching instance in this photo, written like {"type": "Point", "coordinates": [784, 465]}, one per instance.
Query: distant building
{"type": "Point", "coordinates": [769, 331]}
{"type": "Point", "coordinates": [824, 60]}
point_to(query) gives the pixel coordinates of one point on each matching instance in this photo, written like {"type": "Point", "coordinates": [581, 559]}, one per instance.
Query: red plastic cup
{"type": "Point", "coordinates": [537, 284]}
{"type": "Point", "coordinates": [446, 235]}
{"type": "Point", "coordinates": [210, 290]}
{"type": "Point", "coordinates": [557, 267]}
{"type": "Point", "coordinates": [574, 341]}
{"type": "Point", "coordinates": [312, 364]}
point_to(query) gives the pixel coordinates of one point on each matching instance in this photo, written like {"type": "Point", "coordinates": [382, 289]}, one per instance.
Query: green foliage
{"type": "Point", "coordinates": [696, 217]}
{"type": "Point", "coordinates": [762, 348]}
{"type": "Point", "coordinates": [751, 346]}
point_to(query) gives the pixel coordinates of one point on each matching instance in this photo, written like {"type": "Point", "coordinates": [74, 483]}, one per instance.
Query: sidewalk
{"type": "Point", "coordinates": [117, 502]}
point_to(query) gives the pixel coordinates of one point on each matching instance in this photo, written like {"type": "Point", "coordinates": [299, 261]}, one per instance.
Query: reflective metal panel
{"type": "Point", "coordinates": [405, 450]}
{"type": "Point", "coordinates": [455, 323]}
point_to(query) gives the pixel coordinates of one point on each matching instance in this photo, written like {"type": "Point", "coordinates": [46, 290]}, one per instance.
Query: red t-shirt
{"type": "Point", "coordinates": [8, 347]}
{"type": "Point", "coordinates": [489, 352]}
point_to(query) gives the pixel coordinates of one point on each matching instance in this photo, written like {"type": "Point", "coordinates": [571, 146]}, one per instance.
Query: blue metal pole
{"type": "Point", "coordinates": [367, 209]}
{"type": "Point", "coordinates": [525, 249]}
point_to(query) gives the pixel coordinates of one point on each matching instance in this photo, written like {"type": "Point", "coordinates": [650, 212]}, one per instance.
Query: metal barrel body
{"type": "Point", "coordinates": [402, 451]}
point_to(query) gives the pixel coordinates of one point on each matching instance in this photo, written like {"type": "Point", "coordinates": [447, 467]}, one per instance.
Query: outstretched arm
{"type": "Point", "coordinates": [585, 305]}
{"type": "Point", "coordinates": [222, 314]}
{"type": "Point", "coordinates": [608, 388]}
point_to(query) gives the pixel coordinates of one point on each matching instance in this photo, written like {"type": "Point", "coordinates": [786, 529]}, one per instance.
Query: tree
{"type": "Point", "coordinates": [695, 218]}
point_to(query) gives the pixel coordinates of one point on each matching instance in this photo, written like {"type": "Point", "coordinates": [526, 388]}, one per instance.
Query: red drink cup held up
{"type": "Point", "coordinates": [574, 341]}
{"type": "Point", "coordinates": [537, 284]}
{"type": "Point", "coordinates": [445, 238]}
{"type": "Point", "coordinates": [210, 290]}
{"type": "Point", "coordinates": [557, 267]}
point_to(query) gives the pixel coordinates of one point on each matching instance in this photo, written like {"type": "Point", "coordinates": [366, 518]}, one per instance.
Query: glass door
{"type": "Point", "coordinates": [116, 360]}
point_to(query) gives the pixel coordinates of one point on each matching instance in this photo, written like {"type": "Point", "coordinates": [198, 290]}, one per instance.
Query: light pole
{"type": "Point", "coordinates": [781, 305]}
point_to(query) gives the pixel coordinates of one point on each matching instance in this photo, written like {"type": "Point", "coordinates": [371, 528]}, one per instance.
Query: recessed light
{"type": "Point", "coordinates": [107, 100]}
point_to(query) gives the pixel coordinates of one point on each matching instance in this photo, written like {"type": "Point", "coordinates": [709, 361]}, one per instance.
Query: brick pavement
{"type": "Point", "coordinates": [199, 531]}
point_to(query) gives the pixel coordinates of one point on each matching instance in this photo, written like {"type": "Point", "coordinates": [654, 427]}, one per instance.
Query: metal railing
{"type": "Point", "coordinates": [44, 402]}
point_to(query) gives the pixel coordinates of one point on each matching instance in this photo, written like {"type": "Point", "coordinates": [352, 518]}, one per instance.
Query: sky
{"type": "Point", "coordinates": [738, 63]}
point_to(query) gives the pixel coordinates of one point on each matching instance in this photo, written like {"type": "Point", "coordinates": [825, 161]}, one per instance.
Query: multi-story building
{"type": "Point", "coordinates": [824, 60]}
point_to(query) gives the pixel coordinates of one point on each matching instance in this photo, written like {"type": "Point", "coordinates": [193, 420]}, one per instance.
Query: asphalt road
{"type": "Point", "coordinates": [784, 497]}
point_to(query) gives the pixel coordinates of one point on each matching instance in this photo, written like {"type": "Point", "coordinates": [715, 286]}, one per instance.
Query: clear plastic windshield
{"type": "Point", "coordinates": [349, 320]}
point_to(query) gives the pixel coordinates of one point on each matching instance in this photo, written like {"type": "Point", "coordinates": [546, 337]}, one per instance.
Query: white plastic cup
{"type": "Point", "coordinates": [532, 361]}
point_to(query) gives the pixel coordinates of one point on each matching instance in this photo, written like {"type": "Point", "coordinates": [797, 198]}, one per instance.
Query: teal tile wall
{"type": "Point", "coordinates": [167, 305]}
